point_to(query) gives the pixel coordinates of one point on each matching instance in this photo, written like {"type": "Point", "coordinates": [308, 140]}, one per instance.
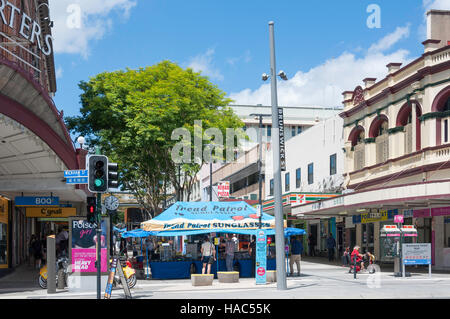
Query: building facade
{"type": "Point", "coordinates": [314, 171]}
{"type": "Point", "coordinates": [35, 145]}
{"type": "Point", "coordinates": [397, 149]}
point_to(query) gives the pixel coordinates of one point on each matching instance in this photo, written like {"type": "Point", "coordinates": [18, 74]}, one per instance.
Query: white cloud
{"type": "Point", "coordinates": [79, 22]}
{"type": "Point", "coordinates": [388, 41]}
{"type": "Point", "coordinates": [246, 57]}
{"type": "Point", "coordinates": [204, 63]}
{"type": "Point", "coordinates": [323, 85]}
{"type": "Point", "coordinates": [436, 4]}
{"type": "Point", "coordinates": [59, 72]}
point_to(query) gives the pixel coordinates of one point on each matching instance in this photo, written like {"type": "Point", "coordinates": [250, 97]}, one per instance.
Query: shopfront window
{"type": "Point", "coordinates": [3, 244]}
{"type": "Point", "coordinates": [447, 232]}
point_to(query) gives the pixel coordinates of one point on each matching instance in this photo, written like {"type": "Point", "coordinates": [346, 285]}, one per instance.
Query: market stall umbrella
{"type": "Point", "coordinates": [208, 217]}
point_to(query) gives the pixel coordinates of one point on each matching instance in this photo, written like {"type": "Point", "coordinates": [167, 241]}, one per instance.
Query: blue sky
{"type": "Point", "coordinates": [325, 47]}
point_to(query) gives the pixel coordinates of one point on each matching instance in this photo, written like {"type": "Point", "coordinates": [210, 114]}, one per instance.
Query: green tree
{"type": "Point", "coordinates": [131, 115]}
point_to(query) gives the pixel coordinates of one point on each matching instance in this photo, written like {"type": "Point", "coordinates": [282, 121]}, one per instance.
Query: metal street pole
{"type": "Point", "coordinates": [260, 170]}
{"type": "Point", "coordinates": [279, 222]}
{"type": "Point", "coordinates": [210, 181]}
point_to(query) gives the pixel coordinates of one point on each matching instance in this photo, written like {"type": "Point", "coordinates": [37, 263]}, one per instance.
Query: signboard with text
{"type": "Point", "coordinates": [261, 257]}
{"type": "Point", "coordinates": [223, 189]}
{"type": "Point", "coordinates": [416, 254]}
{"type": "Point", "coordinates": [49, 212]}
{"type": "Point", "coordinates": [282, 140]}
{"type": "Point", "coordinates": [36, 201]}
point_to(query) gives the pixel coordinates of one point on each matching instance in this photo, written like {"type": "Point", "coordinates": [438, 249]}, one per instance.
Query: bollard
{"type": "Point", "coordinates": [354, 267]}
{"type": "Point", "coordinates": [51, 264]}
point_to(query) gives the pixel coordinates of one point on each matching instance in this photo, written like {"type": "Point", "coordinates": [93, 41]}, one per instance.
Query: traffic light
{"type": "Point", "coordinates": [113, 175]}
{"type": "Point", "coordinates": [91, 209]}
{"type": "Point", "coordinates": [98, 173]}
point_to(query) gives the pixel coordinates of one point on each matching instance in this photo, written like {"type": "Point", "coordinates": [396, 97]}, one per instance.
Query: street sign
{"type": "Point", "coordinates": [36, 201]}
{"type": "Point", "coordinates": [76, 173]}
{"type": "Point", "coordinates": [282, 140]}
{"type": "Point", "coordinates": [77, 180]}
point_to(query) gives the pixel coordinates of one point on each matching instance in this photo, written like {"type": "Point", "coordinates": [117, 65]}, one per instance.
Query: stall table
{"type": "Point", "coordinates": [182, 269]}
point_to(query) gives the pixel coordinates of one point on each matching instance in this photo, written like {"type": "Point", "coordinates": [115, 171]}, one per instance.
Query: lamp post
{"type": "Point", "coordinates": [278, 207]}
{"type": "Point", "coordinates": [260, 116]}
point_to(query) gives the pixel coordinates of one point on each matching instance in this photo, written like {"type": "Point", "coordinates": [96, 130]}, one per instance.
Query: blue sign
{"type": "Point", "coordinates": [77, 180]}
{"type": "Point", "coordinates": [261, 257]}
{"type": "Point", "coordinates": [76, 173]}
{"type": "Point", "coordinates": [36, 201]}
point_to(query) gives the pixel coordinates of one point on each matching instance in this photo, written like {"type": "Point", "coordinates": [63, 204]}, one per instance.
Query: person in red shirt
{"type": "Point", "coordinates": [356, 254]}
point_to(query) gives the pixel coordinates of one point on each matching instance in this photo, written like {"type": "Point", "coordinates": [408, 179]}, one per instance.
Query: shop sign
{"type": "Point", "coordinates": [36, 201]}
{"type": "Point", "coordinates": [416, 254]}
{"type": "Point", "coordinates": [261, 257]}
{"type": "Point", "coordinates": [223, 189]}
{"type": "Point", "coordinates": [49, 212]}
{"type": "Point", "coordinates": [374, 216]}
{"type": "Point", "coordinates": [3, 210]}
{"type": "Point", "coordinates": [398, 219]}
{"type": "Point", "coordinates": [29, 29]}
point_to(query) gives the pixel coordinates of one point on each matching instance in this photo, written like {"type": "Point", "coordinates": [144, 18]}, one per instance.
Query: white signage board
{"type": "Point", "coordinates": [416, 254]}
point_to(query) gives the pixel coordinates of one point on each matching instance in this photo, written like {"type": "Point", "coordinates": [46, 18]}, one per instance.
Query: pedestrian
{"type": "Point", "coordinates": [62, 240]}
{"type": "Point", "coordinates": [37, 251]}
{"type": "Point", "coordinates": [358, 256]}
{"type": "Point", "coordinates": [229, 252]}
{"type": "Point", "coordinates": [208, 255]}
{"type": "Point", "coordinates": [149, 248]}
{"type": "Point", "coordinates": [252, 253]}
{"type": "Point", "coordinates": [312, 245]}
{"type": "Point", "coordinates": [31, 251]}
{"type": "Point", "coordinates": [331, 244]}
{"type": "Point", "coordinates": [296, 255]}
{"type": "Point", "coordinates": [346, 257]}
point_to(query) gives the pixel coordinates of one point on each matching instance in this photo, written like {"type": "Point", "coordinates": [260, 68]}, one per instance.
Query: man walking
{"type": "Point", "coordinates": [296, 255]}
{"type": "Point", "coordinates": [331, 244]}
{"type": "Point", "coordinates": [311, 245]}
{"type": "Point", "coordinates": [229, 253]}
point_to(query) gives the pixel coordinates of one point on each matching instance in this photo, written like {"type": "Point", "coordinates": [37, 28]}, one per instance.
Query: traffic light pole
{"type": "Point", "coordinates": [99, 244]}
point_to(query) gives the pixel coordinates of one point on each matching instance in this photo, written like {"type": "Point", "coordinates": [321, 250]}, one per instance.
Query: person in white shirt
{"type": "Point", "coordinates": [208, 255]}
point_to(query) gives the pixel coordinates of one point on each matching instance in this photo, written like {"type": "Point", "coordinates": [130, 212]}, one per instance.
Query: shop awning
{"type": "Point", "coordinates": [209, 217]}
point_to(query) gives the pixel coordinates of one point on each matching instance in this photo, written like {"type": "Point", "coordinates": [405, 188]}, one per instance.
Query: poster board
{"type": "Point", "coordinates": [416, 254]}
{"type": "Point", "coordinates": [261, 257]}
{"type": "Point", "coordinates": [82, 247]}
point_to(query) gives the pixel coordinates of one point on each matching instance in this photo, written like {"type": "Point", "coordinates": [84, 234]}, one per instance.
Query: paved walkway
{"type": "Point", "coordinates": [318, 281]}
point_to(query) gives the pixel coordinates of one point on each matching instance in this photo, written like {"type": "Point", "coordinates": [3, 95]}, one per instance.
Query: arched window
{"type": "Point", "coordinates": [379, 130]}
{"type": "Point", "coordinates": [404, 118]}
{"type": "Point", "coordinates": [357, 137]}
{"type": "Point", "coordinates": [441, 103]}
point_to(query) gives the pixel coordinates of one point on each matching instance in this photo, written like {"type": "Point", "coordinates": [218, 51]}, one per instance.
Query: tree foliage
{"type": "Point", "coordinates": [131, 115]}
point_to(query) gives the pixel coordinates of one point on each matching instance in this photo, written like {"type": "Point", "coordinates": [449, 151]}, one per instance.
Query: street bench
{"type": "Point", "coordinates": [202, 280]}
{"type": "Point", "coordinates": [271, 276]}
{"type": "Point", "coordinates": [228, 276]}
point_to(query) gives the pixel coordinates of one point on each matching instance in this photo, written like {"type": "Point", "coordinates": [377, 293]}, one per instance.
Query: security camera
{"type": "Point", "coordinates": [265, 77]}
{"type": "Point", "coordinates": [283, 75]}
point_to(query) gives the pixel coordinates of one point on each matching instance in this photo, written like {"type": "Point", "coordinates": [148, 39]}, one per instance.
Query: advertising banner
{"type": "Point", "coordinates": [208, 216]}
{"type": "Point", "coordinates": [84, 252]}
{"type": "Point", "coordinates": [261, 257]}
{"type": "Point", "coordinates": [282, 140]}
